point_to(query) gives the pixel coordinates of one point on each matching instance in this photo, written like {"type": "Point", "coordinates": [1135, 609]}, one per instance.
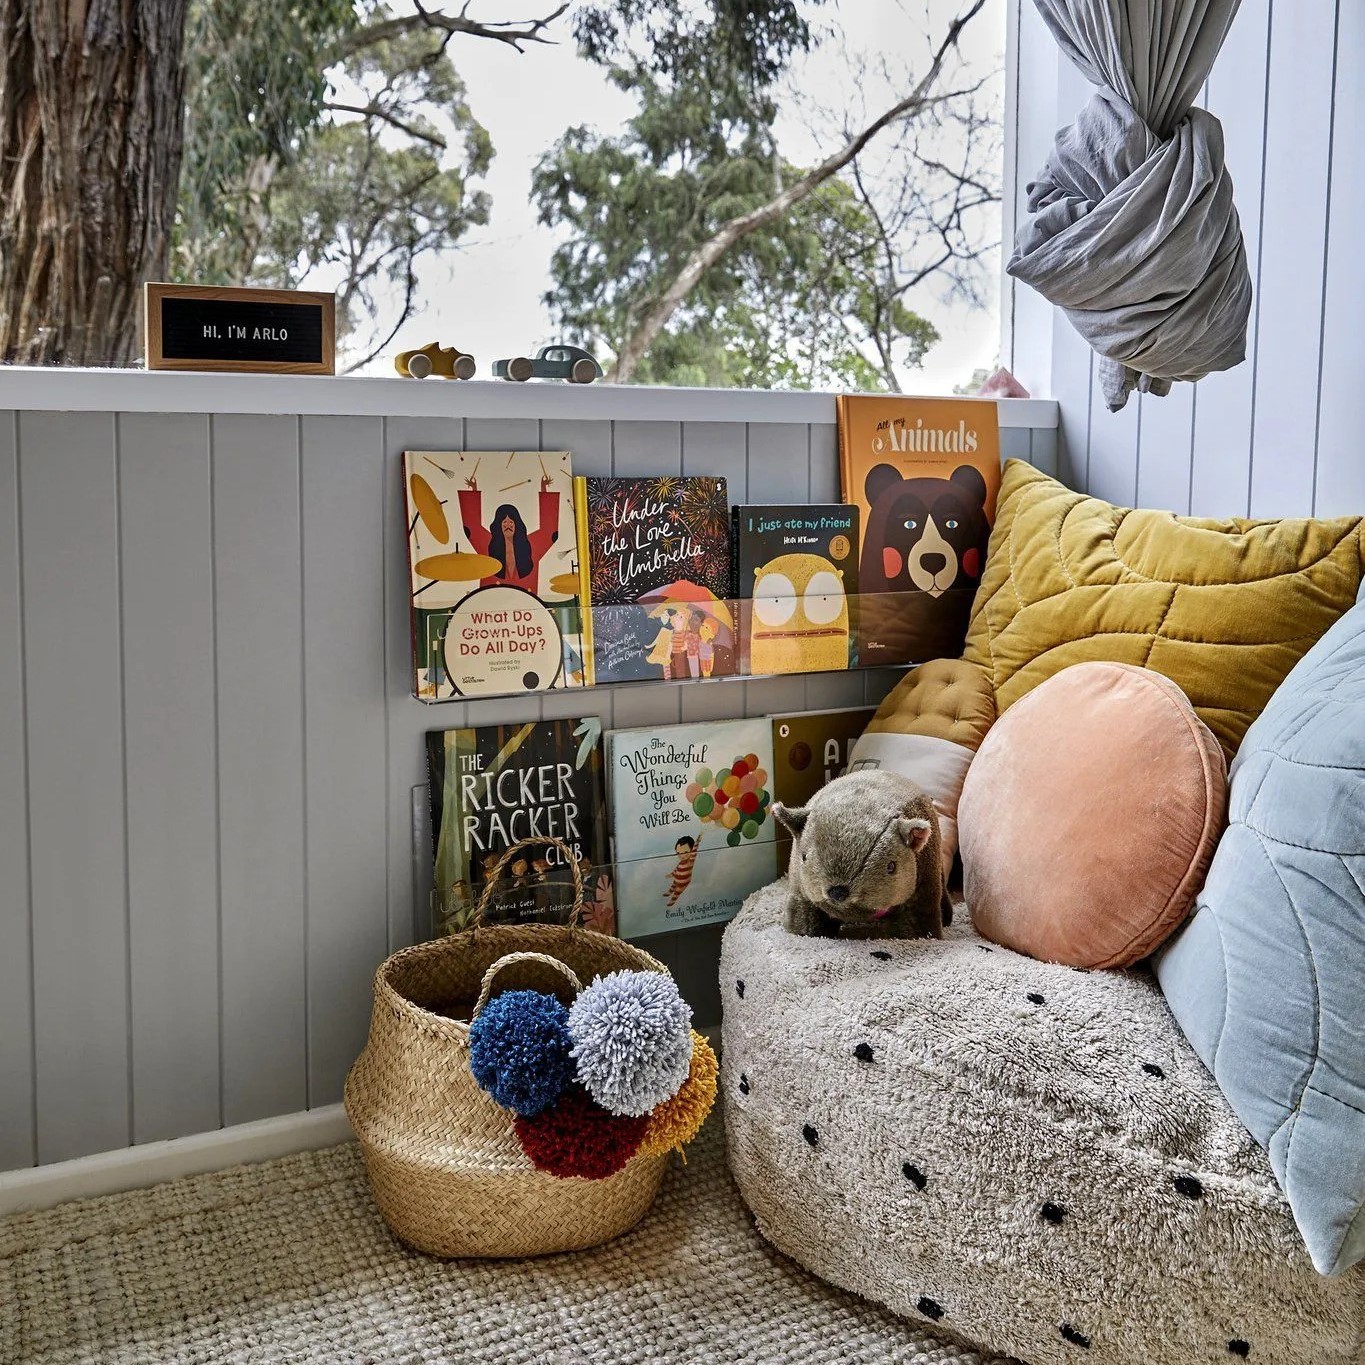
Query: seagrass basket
{"type": "Point", "coordinates": [445, 1166]}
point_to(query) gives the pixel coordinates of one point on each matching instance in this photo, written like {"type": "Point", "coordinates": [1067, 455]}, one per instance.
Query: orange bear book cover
{"type": "Point", "coordinates": [924, 473]}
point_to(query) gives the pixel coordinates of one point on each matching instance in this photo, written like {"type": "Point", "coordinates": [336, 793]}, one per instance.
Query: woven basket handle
{"type": "Point", "coordinates": [510, 960]}
{"type": "Point", "coordinates": [491, 885]}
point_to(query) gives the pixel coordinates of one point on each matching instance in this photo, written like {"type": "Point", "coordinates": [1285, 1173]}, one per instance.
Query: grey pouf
{"type": "Point", "coordinates": [1031, 1157]}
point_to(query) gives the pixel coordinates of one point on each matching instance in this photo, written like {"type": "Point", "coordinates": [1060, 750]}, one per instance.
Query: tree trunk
{"type": "Point", "coordinates": [91, 120]}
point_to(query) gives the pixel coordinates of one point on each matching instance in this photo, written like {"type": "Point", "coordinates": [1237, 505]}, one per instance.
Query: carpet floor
{"type": "Point", "coordinates": [288, 1261]}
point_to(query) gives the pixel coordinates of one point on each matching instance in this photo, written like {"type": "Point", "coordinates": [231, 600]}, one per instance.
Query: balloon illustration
{"type": "Point", "coordinates": [736, 798]}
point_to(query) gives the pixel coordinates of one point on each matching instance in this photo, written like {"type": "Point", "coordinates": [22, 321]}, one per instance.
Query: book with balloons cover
{"type": "Point", "coordinates": [493, 555]}
{"type": "Point", "coordinates": [692, 821]}
{"type": "Point", "coordinates": [654, 569]}
{"type": "Point", "coordinates": [494, 785]}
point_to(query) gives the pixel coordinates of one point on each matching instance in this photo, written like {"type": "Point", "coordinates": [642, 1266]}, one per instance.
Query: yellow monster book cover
{"type": "Point", "coordinates": [924, 473]}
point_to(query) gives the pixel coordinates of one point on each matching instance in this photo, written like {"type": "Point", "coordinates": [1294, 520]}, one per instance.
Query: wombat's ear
{"type": "Point", "coordinates": [791, 818]}
{"type": "Point", "coordinates": [914, 832]}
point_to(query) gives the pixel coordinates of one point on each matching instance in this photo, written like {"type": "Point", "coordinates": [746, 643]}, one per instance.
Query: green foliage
{"type": "Point", "coordinates": [368, 197]}
{"type": "Point", "coordinates": [255, 85]}
{"type": "Point", "coordinates": [350, 180]}
{"type": "Point", "coordinates": [791, 305]}
{"type": "Point", "coordinates": [749, 40]}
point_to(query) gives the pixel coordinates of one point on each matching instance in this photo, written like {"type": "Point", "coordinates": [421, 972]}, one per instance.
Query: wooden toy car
{"type": "Point", "coordinates": [551, 362]}
{"type": "Point", "coordinates": [449, 362]}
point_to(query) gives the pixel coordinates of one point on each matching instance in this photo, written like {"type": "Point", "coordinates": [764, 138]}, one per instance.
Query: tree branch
{"type": "Point", "coordinates": [513, 32]}
{"type": "Point", "coordinates": [638, 342]}
{"type": "Point", "coordinates": [379, 112]}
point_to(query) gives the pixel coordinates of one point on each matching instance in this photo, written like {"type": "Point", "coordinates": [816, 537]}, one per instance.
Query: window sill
{"type": "Point", "coordinates": [55, 389]}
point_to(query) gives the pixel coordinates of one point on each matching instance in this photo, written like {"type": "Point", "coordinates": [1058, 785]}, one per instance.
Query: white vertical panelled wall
{"type": "Point", "coordinates": [1281, 434]}
{"type": "Point", "coordinates": [208, 746]}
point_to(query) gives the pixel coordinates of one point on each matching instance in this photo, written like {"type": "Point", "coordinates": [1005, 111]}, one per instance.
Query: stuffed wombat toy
{"type": "Point", "coordinates": [866, 857]}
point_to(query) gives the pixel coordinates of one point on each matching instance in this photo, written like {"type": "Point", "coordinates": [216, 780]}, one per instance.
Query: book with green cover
{"type": "Point", "coordinates": [494, 785]}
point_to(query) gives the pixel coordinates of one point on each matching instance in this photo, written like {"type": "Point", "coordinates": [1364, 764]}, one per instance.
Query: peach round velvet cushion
{"type": "Point", "coordinates": [1089, 816]}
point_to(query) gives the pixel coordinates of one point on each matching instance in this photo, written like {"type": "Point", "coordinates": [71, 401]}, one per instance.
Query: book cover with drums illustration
{"type": "Point", "coordinates": [796, 578]}
{"type": "Point", "coordinates": [654, 562]}
{"type": "Point", "coordinates": [494, 785]}
{"type": "Point", "coordinates": [811, 749]}
{"type": "Point", "coordinates": [692, 822]}
{"type": "Point", "coordinates": [924, 474]}
{"type": "Point", "coordinates": [493, 554]}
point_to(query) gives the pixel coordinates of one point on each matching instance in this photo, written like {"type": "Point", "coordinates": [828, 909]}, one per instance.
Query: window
{"type": "Point", "coordinates": [683, 187]}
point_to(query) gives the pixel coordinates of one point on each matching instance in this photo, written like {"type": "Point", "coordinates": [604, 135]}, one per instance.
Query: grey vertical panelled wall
{"type": "Point", "coordinates": [208, 749]}
{"type": "Point", "coordinates": [1280, 435]}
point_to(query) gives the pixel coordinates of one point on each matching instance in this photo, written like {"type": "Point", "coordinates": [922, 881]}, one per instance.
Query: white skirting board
{"type": "Point", "coordinates": [131, 1168]}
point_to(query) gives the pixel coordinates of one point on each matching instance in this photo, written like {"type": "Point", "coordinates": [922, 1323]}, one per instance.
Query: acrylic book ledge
{"type": "Point", "coordinates": [520, 645]}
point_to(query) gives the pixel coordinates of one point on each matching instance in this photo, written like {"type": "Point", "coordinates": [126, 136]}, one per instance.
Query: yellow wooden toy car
{"type": "Point", "coordinates": [449, 362]}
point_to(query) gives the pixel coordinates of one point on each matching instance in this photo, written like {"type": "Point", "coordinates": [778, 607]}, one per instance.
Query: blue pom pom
{"type": "Point", "coordinates": [632, 1037]}
{"type": "Point", "coordinates": [519, 1050]}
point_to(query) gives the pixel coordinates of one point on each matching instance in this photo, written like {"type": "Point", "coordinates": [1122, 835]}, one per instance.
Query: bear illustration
{"type": "Point", "coordinates": [923, 534]}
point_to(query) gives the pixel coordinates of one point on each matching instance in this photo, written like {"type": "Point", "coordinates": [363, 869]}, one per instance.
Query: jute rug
{"type": "Point", "coordinates": [288, 1261]}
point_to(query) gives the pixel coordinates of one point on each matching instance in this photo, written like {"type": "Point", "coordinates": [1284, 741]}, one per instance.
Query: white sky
{"type": "Point", "coordinates": [486, 297]}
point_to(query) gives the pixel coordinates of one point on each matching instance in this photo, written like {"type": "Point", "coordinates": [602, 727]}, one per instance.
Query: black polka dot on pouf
{"type": "Point", "coordinates": [881, 955]}
{"type": "Point", "coordinates": [1238, 1347]}
{"type": "Point", "coordinates": [913, 1174]}
{"type": "Point", "coordinates": [743, 1084]}
{"type": "Point", "coordinates": [930, 1309]}
{"type": "Point", "coordinates": [1052, 1213]}
{"type": "Point", "coordinates": [1069, 1333]}
{"type": "Point", "coordinates": [810, 1134]}
{"type": "Point", "coordinates": [863, 1052]}
{"type": "Point", "coordinates": [1035, 999]}
{"type": "Point", "coordinates": [1189, 1187]}
{"type": "Point", "coordinates": [739, 989]}
{"type": "Point", "coordinates": [1152, 1069]}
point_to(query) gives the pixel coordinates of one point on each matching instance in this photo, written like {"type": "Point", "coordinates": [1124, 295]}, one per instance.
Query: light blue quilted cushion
{"type": "Point", "coordinates": [1268, 978]}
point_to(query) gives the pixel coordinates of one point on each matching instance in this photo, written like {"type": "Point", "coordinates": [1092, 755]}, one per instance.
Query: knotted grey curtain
{"type": "Point", "coordinates": [1131, 227]}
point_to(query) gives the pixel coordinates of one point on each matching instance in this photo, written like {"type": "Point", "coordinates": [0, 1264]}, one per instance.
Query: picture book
{"type": "Point", "coordinates": [654, 565]}
{"type": "Point", "coordinates": [493, 554]}
{"type": "Point", "coordinates": [694, 834]}
{"type": "Point", "coordinates": [796, 582]}
{"type": "Point", "coordinates": [493, 785]}
{"type": "Point", "coordinates": [924, 474]}
{"type": "Point", "coordinates": [811, 749]}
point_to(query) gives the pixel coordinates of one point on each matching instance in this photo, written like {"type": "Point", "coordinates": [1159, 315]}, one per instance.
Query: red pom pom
{"type": "Point", "coordinates": [576, 1136]}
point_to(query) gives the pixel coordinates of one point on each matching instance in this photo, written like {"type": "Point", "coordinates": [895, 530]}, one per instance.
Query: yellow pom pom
{"type": "Point", "coordinates": [679, 1120]}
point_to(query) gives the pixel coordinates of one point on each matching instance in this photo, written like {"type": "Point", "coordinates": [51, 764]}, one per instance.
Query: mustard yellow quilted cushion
{"type": "Point", "coordinates": [1223, 608]}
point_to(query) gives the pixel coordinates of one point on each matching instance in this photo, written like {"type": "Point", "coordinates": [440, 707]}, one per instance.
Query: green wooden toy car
{"type": "Point", "coordinates": [551, 362]}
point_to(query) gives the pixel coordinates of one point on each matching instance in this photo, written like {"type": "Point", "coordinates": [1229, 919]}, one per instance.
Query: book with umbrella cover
{"type": "Point", "coordinates": [492, 551]}
{"type": "Point", "coordinates": [654, 566]}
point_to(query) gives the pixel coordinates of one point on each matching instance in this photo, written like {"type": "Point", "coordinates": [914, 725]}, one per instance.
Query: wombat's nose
{"type": "Point", "coordinates": [933, 563]}
{"type": "Point", "coordinates": [837, 893]}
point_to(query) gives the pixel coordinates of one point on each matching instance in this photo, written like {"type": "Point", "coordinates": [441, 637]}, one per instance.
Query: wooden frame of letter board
{"type": "Point", "coordinates": [155, 292]}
